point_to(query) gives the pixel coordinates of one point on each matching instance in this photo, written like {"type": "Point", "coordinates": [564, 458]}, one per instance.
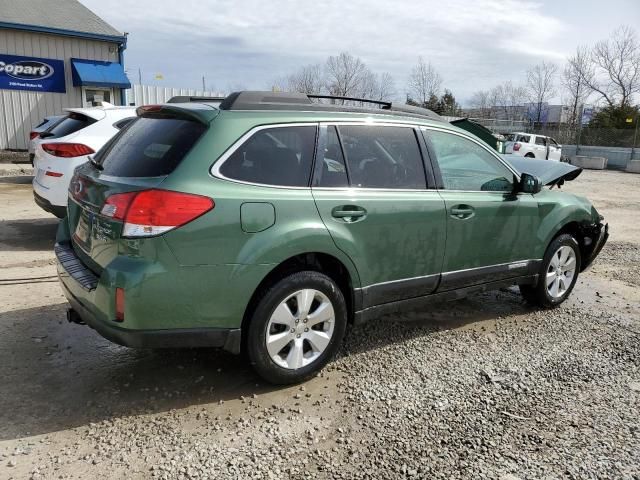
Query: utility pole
{"type": "Point", "coordinates": [139, 76]}
{"type": "Point", "coordinates": [204, 89]}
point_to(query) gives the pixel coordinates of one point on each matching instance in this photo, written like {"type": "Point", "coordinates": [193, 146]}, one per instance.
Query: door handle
{"type": "Point", "coordinates": [349, 213]}
{"type": "Point", "coordinates": [462, 212]}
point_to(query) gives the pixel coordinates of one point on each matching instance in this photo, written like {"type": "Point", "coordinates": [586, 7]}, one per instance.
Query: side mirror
{"type": "Point", "coordinates": [529, 184]}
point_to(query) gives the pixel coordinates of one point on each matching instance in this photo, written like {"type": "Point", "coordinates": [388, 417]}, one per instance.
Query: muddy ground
{"type": "Point", "coordinates": [482, 388]}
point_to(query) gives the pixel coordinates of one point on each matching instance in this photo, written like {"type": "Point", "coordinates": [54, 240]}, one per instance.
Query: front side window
{"type": "Point", "coordinates": [465, 165]}
{"type": "Point", "coordinates": [382, 157]}
{"type": "Point", "coordinates": [280, 156]}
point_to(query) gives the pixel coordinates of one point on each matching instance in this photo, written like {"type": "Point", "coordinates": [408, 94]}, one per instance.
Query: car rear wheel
{"type": "Point", "coordinates": [530, 155]}
{"type": "Point", "coordinates": [296, 328]}
{"type": "Point", "coordinates": [558, 273]}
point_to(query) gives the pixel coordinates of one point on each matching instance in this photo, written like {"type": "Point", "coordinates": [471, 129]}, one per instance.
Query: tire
{"type": "Point", "coordinates": [558, 273]}
{"type": "Point", "coordinates": [530, 155]}
{"type": "Point", "coordinates": [298, 348]}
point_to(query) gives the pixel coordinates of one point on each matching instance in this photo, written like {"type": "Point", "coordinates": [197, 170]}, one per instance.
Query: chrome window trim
{"type": "Point", "coordinates": [491, 152]}
{"type": "Point", "coordinates": [214, 170]}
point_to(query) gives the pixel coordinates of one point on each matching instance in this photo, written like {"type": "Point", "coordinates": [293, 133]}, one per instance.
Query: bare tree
{"type": "Point", "coordinates": [424, 82]}
{"type": "Point", "coordinates": [541, 86]}
{"type": "Point", "coordinates": [377, 87]}
{"type": "Point", "coordinates": [614, 70]}
{"type": "Point", "coordinates": [345, 75]}
{"type": "Point", "coordinates": [481, 103]}
{"type": "Point", "coordinates": [509, 99]}
{"type": "Point", "coordinates": [308, 79]}
{"type": "Point", "coordinates": [573, 80]}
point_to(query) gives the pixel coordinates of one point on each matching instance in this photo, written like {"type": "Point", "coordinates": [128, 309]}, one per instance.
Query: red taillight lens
{"type": "Point", "coordinates": [49, 173]}
{"type": "Point", "coordinates": [152, 212]}
{"type": "Point", "coordinates": [33, 135]}
{"type": "Point", "coordinates": [67, 150]}
{"type": "Point", "coordinates": [516, 147]}
{"type": "Point", "coordinates": [120, 304]}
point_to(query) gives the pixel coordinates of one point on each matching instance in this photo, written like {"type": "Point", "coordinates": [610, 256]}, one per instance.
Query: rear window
{"type": "Point", "coordinates": [71, 124]}
{"type": "Point", "coordinates": [149, 147]}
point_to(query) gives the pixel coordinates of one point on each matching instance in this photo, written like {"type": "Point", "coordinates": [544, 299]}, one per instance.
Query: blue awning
{"type": "Point", "coordinates": [94, 73]}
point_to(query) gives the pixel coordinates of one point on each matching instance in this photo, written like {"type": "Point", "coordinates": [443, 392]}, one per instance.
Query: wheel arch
{"type": "Point", "coordinates": [346, 278]}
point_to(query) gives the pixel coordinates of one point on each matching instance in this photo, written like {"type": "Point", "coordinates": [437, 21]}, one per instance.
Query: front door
{"type": "Point", "coordinates": [93, 97]}
{"type": "Point", "coordinates": [370, 189]}
{"type": "Point", "coordinates": [490, 230]}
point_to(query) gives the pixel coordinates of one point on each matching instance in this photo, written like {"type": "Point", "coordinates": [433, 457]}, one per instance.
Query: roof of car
{"type": "Point", "coordinates": [308, 107]}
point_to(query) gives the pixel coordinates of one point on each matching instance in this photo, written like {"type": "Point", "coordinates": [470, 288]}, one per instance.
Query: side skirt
{"type": "Point", "coordinates": [420, 303]}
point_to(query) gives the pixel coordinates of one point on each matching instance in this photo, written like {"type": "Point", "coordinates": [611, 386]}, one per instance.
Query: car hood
{"type": "Point", "coordinates": [548, 171]}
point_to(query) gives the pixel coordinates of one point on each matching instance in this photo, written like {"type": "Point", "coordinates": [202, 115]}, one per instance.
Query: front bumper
{"type": "Point", "coordinates": [80, 290]}
{"type": "Point", "coordinates": [599, 234]}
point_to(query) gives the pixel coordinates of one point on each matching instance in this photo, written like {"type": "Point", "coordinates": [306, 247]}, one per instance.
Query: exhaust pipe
{"type": "Point", "coordinates": [73, 317]}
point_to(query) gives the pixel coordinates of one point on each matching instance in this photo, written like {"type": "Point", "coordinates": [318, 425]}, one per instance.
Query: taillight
{"type": "Point", "coordinates": [516, 147]}
{"type": "Point", "coordinates": [33, 135]}
{"type": "Point", "coordinates": [67, 150]}
{"type": "Point", "coordinates": [153, 212]}
{"type": "Point", "coordinates": [120, 304]}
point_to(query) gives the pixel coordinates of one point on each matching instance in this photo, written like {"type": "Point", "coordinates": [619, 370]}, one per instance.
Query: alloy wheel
{"type": "Point", "coordinates": [561, 270]}
{"type": "Point", "coordinates": [300, 329]}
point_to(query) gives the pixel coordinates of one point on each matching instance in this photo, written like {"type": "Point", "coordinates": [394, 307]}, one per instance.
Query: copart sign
{"type": "Point", "coordinates": [29, 73]}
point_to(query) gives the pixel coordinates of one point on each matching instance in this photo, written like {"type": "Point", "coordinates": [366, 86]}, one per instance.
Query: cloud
{"type": "Point", "coordinates": [474, 44]}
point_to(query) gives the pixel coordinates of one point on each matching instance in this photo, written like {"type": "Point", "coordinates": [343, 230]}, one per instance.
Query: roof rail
{"type": "Point", "coordinates": [256, 100]}
{"type": "Point", "coordinates": [190, 99]}
{"type": "Point", "coordinates": [382, 103]}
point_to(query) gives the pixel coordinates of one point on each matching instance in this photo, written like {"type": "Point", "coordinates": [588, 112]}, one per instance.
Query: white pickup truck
{"type": "Point", "coordinates": [533, 146]}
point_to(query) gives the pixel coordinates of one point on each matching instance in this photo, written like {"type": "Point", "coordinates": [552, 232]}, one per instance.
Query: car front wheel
{"type": "Point", "coordinates": [296, 327]}
{"type": "Point", "coordinates": [558, 273]}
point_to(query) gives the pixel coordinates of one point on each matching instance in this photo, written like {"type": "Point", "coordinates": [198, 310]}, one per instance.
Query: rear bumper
{"type": "Point", "coordinates": [80, 293]}
{"type": "Point", "coordinates": [600, 234]}
{"type": "Point", "coordinates": [47, 206]}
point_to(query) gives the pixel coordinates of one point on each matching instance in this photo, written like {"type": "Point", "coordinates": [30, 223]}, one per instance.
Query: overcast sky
{"type": "Point", "coordinates": [474, 44]}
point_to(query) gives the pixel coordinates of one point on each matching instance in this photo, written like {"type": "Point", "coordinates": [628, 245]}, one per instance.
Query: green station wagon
{"type": "Point", "coordinates": [267, 222]}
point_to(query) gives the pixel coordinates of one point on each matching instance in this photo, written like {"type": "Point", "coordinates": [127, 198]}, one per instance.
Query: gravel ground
{"type": "Point", "coordinates": [482, 388]}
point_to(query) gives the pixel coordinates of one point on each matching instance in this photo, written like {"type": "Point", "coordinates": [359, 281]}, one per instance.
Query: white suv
{"type": "Point", "coordinates": [82, 133]}
{"type": "Point", "coordinates": [533, 146]}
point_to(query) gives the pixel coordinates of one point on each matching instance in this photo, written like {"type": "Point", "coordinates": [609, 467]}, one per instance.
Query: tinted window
{"type": "Point", "coordinates": [465, 165]}
{"type": "Point", "coordinates": [330, 168]}
{"type": "Point", "coordinates": [553, 142]}
{"type": "Point", "coordinates": [274, 156]}
{"type": "Point", "coordinates": [150, 147]}
{"type": "Point", "coordinates": [523, 138]}
{"type": "Point", "coordinates": [71, 124]}
{"type": "Point", "coordinates": [382, 157]}
{"type": "Point", "coordinates": [541, 141]}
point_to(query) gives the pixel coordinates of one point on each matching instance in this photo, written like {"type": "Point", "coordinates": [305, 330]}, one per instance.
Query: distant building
{"type": "Point", "coordinates": [54, 54]}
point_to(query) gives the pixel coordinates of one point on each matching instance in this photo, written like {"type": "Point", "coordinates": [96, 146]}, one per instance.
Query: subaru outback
{"type": "Point", "coordinates": [267, 223]}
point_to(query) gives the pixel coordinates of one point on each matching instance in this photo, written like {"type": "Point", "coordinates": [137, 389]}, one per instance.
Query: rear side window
{"type": "Point", "coordinates": [71, 124]}
{"type": "Point", "coordinates": [149, 147]}
{"type": "Point", "coordinates": [382, 157]}
{"type": "Point", "coordinates": [541, 141]}
{"type": "Point", "coordinates": [523, 138]}
{"type": "Point", "coordinates": [280, 156]}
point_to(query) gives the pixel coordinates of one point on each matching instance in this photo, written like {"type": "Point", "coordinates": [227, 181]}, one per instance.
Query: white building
{"type": "Point", "coordinates": [54, 54]}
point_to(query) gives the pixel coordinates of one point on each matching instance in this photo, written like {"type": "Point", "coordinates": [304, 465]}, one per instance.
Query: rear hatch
{"type": "Point", "coordinates": [122, 182]}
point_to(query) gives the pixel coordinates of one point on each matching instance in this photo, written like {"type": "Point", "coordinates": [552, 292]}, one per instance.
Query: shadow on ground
{"type": "Point", "coordinates": [17, 179]}
{"type": "Point", "coordinates": [30, 234]}
{"type": "Point", "coordinates": [58, 375]}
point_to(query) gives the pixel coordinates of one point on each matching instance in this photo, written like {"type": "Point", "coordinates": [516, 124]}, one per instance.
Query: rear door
{"type": "Point", "coordinates": [555, 152]}
{"type": "Point", "coordinates": [371, 191]}
{"type": "Point", "coordinates": [490, 230]}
